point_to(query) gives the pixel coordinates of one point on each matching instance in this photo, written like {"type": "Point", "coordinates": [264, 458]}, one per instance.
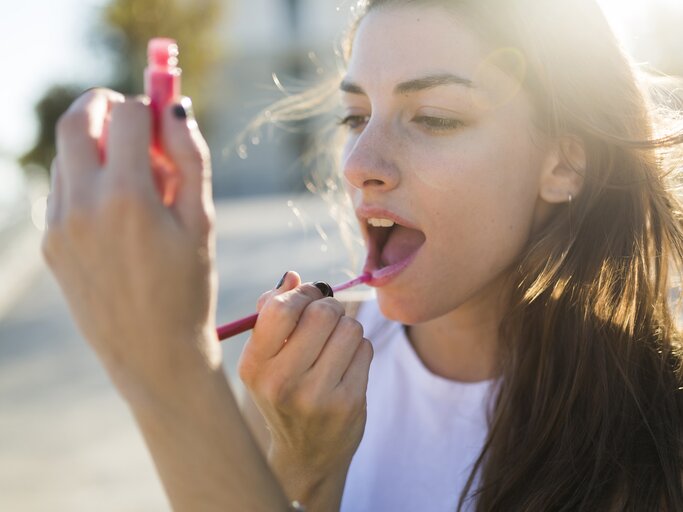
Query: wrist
{"type": "Point", "coordinates": [316, 488]}
{"type": "Point", "coordinates": [203, 450]}
{"type": "Point", "coordinates": [174, 375]}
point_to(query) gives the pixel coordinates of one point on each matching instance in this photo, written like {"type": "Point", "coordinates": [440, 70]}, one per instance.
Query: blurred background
{"type": "Point", "coordinates": [67, 442]}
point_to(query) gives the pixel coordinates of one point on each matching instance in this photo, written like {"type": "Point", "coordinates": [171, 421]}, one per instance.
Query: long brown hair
{"type": "Point", "coordinates": [589, 412]}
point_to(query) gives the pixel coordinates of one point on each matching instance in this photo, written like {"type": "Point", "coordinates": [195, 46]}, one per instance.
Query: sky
{"type": "Point", "coordinates": [45, 42]}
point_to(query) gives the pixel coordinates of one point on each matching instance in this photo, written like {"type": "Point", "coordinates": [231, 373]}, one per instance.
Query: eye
{"type": "Point", "coordinates": [353, 121]}
{"type": "Point", "coordinates": [438, 124]}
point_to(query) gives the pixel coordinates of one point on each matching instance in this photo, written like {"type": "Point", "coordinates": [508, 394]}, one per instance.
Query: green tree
{"type": "Point", "coordinates": [126, 26]}
{"type": "Point", "coordinates": [122, 29]}
{"type": "Point", "coordinates": [48, 109]}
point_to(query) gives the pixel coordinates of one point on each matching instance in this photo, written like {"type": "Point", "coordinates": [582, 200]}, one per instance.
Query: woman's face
{"type": "Point", "coordinates": [440, 142]}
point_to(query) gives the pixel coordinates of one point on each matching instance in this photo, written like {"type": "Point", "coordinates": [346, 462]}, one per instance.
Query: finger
{"type": "Point", "coordinates": [279, 317]}
{"type": "Point", "coordinates": [340, 349]}
{"type": "Point", "coordinates": [267, 295]}
{"type": "Point", "coordinates": [263, 299]}
{"type": "Point", "coordinates": [54, 198]}
{"type": "Point", "coordinates": [184, 145]}
{"type": "Point", "coordinates": [128, 144]}
{"type": "Point", "coordinates": [355, 379]}
{"type": "Point", "coordinates": [257, 350]}
{"type": "Point", "coordinates": [78, 132]}
{"type": "Point", "coordinates": [318, 321]}
{"type": "Point", "coordinates": [264, 344]}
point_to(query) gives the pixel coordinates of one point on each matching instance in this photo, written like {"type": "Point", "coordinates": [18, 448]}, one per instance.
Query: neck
{"type": "Point", "coordinates": [462, 345]}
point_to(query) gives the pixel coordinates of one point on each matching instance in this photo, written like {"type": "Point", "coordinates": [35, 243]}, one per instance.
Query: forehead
{"type": "Point", "coordinates": [395, 43]}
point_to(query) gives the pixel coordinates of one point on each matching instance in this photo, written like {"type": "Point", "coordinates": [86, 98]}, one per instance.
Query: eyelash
{"type": "Point", "coordinates": [352, 121]}
{"type": "Point", "coordinates": [438, 124]}
{"type": "Point", "coordinates": [435, 124]}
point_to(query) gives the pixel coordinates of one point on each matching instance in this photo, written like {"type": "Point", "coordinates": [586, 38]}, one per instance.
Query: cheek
{"type": "Point", "coordinates": [505, 199]}
{"type": "Point", "coordinates": [487, 199]}
{"type": "Point", "coordinates": [482, 160]}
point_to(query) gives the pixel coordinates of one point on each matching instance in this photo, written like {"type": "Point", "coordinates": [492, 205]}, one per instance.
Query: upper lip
{"type": "Point", "coordinates": [366, 212]}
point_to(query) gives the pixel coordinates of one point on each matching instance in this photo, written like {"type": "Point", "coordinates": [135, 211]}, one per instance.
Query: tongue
{"type": "Point", "coordinates": [402, 243]}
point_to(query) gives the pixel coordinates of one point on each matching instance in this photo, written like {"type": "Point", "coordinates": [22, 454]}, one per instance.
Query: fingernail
{"type": "Point", "coordinates": [179, 111]}
{"type": "Point", "coordinates": [324, 288]}
{"type": "Point", "coordinates": [281, 281]}
{"type": "Point", "coordinates": [183, 110]}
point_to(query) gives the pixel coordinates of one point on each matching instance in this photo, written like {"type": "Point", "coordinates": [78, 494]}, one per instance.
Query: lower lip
{"type": "Point", "coordinates": [384, 275]}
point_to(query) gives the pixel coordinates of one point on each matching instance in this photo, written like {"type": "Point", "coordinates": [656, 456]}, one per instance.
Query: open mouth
{"type": "Point", "coordinates": [391, 247]}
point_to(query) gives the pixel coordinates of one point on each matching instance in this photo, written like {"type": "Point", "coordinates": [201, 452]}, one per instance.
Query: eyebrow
{"type": "Point", "coordinates": [415, 85]}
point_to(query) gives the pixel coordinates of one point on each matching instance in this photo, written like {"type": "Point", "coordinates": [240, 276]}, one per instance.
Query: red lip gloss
{"type": "Point", "coordinates": [162, 86]}
{"type": "Point", "coordinates": [248, 322]}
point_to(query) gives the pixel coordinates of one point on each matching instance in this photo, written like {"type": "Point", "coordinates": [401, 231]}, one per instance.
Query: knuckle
{"type": "Point", "coordinates": [352, 328]}
{"type": "Point", "coordinates": [366, 350]}
{"type": "Point", "coordinates": [135, 104]}
{"type": "Point", "coordinates": [324, 311]}
{"type": "Point", "coordinates": [263, 299]}
{"type": "Point", "coordinates": [344, 405]}
{"type": "Point", "coordinates": [280, 309]}
{"type": "Point", "coordinates": [135, 108]}
{"type": "Point", "coordinates": [89, 94]}
{"type": "Point", "coordinates": [338, 305]}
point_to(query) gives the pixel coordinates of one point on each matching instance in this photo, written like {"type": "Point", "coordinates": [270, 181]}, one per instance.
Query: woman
{"type": "Point", "coordinates": [514, 197]}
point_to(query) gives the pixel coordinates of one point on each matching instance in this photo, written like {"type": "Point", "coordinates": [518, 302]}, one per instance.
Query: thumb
{"type": "Point", "coordinates": [183, 143]}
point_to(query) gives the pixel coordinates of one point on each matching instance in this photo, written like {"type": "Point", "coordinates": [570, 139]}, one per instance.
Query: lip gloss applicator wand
{"type": "Point", "coordinates": [248, 322]}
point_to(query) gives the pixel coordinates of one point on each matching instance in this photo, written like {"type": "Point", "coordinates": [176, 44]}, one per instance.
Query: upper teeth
{"type": "Point", "coordinates": [380, 223]}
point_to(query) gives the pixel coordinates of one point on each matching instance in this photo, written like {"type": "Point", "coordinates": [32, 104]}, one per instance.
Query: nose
{"type": "Point", "coordinates": [369, 161]}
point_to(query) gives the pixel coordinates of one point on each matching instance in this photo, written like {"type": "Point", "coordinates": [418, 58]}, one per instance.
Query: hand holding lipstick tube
{"type": "Point", "coordinates": [138, 274]}
{"type": "Point", "coordinates": [306, 367]}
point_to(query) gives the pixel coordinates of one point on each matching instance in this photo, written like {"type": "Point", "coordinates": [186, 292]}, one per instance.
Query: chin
{"type": "Point", "coordinates": [404, 309]}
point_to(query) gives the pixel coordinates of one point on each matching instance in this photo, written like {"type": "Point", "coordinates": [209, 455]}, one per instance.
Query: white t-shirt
{"type": "Point", "coordinates": [423, 432]}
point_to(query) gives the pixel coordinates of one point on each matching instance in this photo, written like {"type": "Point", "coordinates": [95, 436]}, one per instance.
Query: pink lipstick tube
{"type": "Point", "coordinates": [162, 86]}
{"type": "Point", "coordinates": [162, 79]}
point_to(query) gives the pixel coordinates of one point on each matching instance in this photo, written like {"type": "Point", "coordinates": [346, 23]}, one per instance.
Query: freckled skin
{"type": "Point", "coordinates": [473, 190]}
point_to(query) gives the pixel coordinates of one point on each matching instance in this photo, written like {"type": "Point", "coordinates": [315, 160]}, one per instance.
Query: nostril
{"type": "Point", "coordinates": [367, 169]}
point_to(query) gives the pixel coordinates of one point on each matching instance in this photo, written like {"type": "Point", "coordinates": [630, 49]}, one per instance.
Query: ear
{"type": "Point", "coordinates": [563, 170]}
